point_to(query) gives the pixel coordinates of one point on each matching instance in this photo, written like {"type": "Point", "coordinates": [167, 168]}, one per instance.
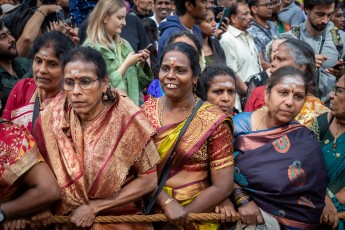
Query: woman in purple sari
{"type": "Point", "coordinates": [279, 166]}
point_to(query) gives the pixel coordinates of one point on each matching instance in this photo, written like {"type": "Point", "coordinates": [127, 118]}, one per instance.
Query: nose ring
{"type": "Point", "coordinates": [46, 71]}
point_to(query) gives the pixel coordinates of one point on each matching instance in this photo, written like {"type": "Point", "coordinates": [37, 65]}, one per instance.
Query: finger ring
{"type": "Point", "coordinates": [326, 216]}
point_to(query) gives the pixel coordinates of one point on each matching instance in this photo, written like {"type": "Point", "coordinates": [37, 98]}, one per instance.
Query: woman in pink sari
{"type": "Point", "coordinates": [33, 94]}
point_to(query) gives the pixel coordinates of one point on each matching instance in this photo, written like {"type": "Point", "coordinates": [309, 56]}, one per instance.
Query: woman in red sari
{"type": "Point", "coordinates": [203, 159]}
{"type": "Point", "coordinates": [27, 186]}
{"type": "Point", "coordinates": [35, 93]}
{"type": "Point", "coordinates": [101, 151]}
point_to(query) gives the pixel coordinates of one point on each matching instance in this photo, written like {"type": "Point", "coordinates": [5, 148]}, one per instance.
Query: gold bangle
{"type": "Point", "coordinates": [167, 202]}
{"type": "Point", "coordinates": [41, 12]}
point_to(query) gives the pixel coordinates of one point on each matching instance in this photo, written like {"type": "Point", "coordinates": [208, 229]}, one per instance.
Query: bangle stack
{"type": "Point", "coordinates": [41, 12]}
{"type": "Point", "coordinates": [239, 197]}
{"type": "Point", "coordinates": [167, 202]}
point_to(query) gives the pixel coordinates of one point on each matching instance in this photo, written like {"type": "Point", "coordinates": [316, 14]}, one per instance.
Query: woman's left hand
{"type": "Point", "coordinates": [84, 216]}
{"type": "Point", "coordinates": [145, 54]}
{"type": "Point", "coordinates": [227, 211]}
{"type": "Point", "coordinates": [330, 214]}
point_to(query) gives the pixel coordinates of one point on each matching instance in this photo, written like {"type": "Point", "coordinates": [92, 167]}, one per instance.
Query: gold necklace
{"type": "Point", "coordinates": [160, 116]}
{"type": "Point", "coordinates": [39, 99]}
{"type": "Point", "coordinates": [262, 117]}
{"type": "Point", "coordinates": [335, 138]}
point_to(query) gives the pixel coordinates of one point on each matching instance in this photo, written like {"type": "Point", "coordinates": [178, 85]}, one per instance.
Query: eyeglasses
{"type": "Point", "coordinates": [338, 89]}
{"type": "Point", "coordinates": [84, 83]}
{"type": "Point", "coordinates": [267, 5]}
{"type": "Point", "coordinates": [276, 2]}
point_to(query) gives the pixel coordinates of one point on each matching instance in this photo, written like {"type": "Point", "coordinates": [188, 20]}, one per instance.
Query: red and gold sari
{"type": "Point", "coordinates": [97, 161]}
{"type": "Point", "coordinates": [20, 104]}
{"type": "Point", "coordinates": [18, 154]}
{"type": "Point", "coordinates": [205, 146]}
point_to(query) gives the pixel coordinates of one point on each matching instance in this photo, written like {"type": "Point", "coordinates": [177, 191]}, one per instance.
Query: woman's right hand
{"type": "Point", "coordinates": [330, 214]}
{"type": "Point", "coordinates": [227, 209]}
{"type": "Point", "coordinates": [132, 59]}
{"type": "Point", "coordinates": [176, 214]}
{"type": "Point", "coordinates": [250, 214]}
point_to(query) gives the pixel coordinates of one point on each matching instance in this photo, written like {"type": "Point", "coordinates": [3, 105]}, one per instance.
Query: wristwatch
{"type": "Point", "coordinates": [2, 215]}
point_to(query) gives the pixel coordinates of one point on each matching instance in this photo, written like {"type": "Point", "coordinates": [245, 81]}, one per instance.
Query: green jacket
{"type": "Point", "coordinates": [136, 77]}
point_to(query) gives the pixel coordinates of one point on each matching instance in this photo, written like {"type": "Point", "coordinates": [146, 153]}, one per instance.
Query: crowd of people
{"type": "Point", "coordinates": [115, 107]}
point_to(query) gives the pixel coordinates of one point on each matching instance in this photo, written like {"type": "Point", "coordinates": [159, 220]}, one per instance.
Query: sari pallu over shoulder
{"type": "Point", "coordinates": [283, 170]}
{"type": "Point", "coordinates": [114, 142]}
{"type": "Point", "coordinates": [204, 123]}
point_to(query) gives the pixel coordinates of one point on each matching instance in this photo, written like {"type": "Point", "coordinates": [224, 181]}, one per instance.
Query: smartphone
{"type": "Point", "coordinates": [226, 13]}
{"type": "Point", "coordinates": [151, 44]}
{"type": "Point", "coordinates": [216, 10]}
{"type": "Point", "coordinates": [60, 16]}
{"type": "Point", "coordinates": [340, 66]}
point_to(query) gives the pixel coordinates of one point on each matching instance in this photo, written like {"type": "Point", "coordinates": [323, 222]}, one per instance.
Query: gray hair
{"type": "Point", "coordinates": [303, 55]}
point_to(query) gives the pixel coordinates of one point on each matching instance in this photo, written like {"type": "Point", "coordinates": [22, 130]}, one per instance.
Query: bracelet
{"type": "Point", "coordinates": [167, 202]}
{"type": "Point", "coordinates": [41, 12]}
{"type": "Point", "coordinates": [239, 197]}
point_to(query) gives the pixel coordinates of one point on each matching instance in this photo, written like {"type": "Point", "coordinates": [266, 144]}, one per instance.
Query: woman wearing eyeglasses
{"type": "Point", "coordinates": [31, 95]}
{"type": "Point", "coordinates": [330, 130]}
{"type": "Point", "coordinates": [100, 148]}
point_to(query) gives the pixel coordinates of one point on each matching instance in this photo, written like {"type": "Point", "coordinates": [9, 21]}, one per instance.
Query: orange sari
{"type": "Point", "coordinates": [98, 161]}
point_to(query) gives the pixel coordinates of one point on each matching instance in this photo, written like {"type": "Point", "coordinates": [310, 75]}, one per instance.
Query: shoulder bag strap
{"type": "Point", "coordinates": [166, 170]}
{"type": "Point", "coordinates": [36, 113]}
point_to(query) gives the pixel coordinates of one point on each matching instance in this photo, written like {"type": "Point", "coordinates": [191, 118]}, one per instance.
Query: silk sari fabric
{"type": "Point", "coordinates": [96, 161]}
{"type": "Point", "coordinates": [205, 146]}
{"type": "Point", "coordinates": [18, 154]}
{"type": "Point", "coordinates": [20, 104]}
{"type": "Point", "coordinates": [335, 160]}
{"type": "Point", "coordinates": [283, 170]}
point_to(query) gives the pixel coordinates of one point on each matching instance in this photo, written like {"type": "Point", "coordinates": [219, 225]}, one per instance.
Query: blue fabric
{"type": "Point", "coordinates": [242, 123]}
{"type": "Point", "coordinates": [171, 26]}
{"type": "Point", "coordinates": [155, 89]}
{"type": "Point", "coordinates": [282, 169]}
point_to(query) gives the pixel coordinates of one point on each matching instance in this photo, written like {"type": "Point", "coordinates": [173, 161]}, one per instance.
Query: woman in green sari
{"type": "Point", "coordinates": [330, 131]}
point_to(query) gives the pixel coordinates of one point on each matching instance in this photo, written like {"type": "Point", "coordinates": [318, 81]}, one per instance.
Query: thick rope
{"type": "Point", "coordinates": [211, 217]}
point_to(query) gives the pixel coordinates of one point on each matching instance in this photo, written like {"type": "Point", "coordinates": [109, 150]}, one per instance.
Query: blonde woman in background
{"type": "Point", "coordinates": [127, 70]}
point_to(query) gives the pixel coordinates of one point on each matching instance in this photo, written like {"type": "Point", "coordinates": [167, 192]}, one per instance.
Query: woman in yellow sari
{"type": "Point", "coordinates": [100, 150]}
{"type": "Point", "coordinates": [201, 175]}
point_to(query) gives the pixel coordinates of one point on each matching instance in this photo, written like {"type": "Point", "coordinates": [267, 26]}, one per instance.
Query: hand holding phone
{"type": "Point", "coordinates": [60, 16]}
{"type": "Point", "coordinates": [339, 66]}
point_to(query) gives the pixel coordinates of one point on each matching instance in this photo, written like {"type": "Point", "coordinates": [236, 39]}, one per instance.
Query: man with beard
{"type": "Point", "coordinates": [319, 32]}
{"type": "Point", "coordinates": [262, 29]}
{"type": "Point", "coordinates": [189, 14]}
{"type": "Point", "coordinates": [142, 8]}
{"type": "Point", "coordinates": [162, 10]}
{"type": "Point", "coordinates": [12, 68]}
